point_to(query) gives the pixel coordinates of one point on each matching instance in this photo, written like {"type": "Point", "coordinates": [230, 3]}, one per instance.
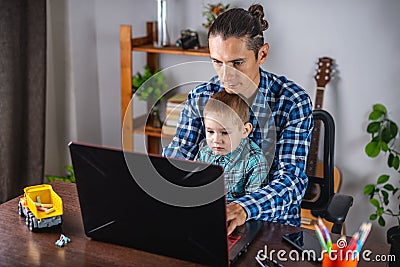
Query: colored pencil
{"type": "Point", "coordinates": [363, 238]}
{"type": "Point", "coordinates": [320, 237]}
{"type": "Point", "coordinates": [326, 233]}
{"type": "Point", "coordinates": [353, 242]}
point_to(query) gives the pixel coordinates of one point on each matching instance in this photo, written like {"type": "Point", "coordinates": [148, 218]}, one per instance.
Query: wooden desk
{"type": "Point", "coordinates": [19, 246]}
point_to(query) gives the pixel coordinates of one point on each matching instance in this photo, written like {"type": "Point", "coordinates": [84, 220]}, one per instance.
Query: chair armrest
{"type": "Point", "coordinates": [338, 208]}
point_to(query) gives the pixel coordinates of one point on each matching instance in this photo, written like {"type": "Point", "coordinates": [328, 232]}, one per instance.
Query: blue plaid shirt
{"type": "Point", "coordinates": [245, 167]}
{"type": "Point", "coordinates": [280, 105]}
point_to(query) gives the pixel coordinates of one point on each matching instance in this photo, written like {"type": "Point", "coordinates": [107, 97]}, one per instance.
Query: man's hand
{"type": "Point", "coordinates": [235, 216]}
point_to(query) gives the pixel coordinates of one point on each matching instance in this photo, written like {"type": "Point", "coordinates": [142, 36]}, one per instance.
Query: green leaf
{"type": "Point", "coordinates": [393, 128]}
{"type": "Point", "coordinates": [379, 107]}
{"type": "Point", "coordinates": [386, 134]}
{"type": "Point", "coordinates": [389, 187]}
{"type": "Point", "coordinates": [390, 160]}
{"type": "Point", "coordinates": [379, 211]}
{"type": "Point", "coordinates": [150, 89]}
{"type": "Point", "coordinates": [383, 178]}
{"type": "Point", "coordinates": [373, 149]}
{"type": "Point", "coordinates": [374, 127]}
{"type": "Point", "coordinates": [147, 73]}
{"type": "Point", "coordinates": [384, 146]}
{"type": "Point", "coordinates": [369, 189]}
{"type": "Point", "coordinates": [396, 163]}
{"type": "Point", "coordinates": [385, 195]}
{"type": "Point", "coordinates": [373, 217]}
{"type": "Point", "coordinates": [70, 169]}
{"type": "Point", "coordinates": [376, 138]}
{"type": "Point", "coordinates": [381, 221]}
{"type": "Point", "coordinates": [69, 178]}
{"type": "Point", "coordinates": [374, 202]}
{"type": "Point", "coordinates": [157, 92]}
{"type": "Point", "coordinates": [375, 115]}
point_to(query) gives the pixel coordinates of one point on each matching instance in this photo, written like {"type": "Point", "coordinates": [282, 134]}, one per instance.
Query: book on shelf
{"type": "Point", "coordinates": [174, 114]}
{"type": "Point", "coordinates": [173, 105]}
{"type": "Point", "coordinates": [174, 108]}
{"type": "Point", "coordinates": [170, 122]}
{"type": "Point", "coordinates": [177, 98]}
{"type": "Point", "coordinates": [168, 130]}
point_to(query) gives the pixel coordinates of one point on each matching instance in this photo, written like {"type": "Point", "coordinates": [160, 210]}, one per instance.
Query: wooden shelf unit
{"type": "Point", "coordinates": [128, 44]}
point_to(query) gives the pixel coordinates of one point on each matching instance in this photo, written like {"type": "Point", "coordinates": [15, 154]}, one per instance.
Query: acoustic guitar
{"type": "Point", "coordinates": [315, 168]}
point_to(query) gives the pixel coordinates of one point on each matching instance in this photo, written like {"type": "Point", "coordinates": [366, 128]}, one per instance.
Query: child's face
{"type": "Point", "coordinates": [222, 134]}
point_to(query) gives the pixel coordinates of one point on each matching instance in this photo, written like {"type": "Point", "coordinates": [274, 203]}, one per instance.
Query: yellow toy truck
{"type": "Point", "coordinates": [40, 206]}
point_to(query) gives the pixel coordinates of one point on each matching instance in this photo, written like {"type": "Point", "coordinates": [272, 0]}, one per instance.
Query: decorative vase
{"type": "Point", "coordinates": [393, 238]}
{"type": "Point", "coordinates": [162, 38]}
{"type": "Point", "coordinates": [154, 119]}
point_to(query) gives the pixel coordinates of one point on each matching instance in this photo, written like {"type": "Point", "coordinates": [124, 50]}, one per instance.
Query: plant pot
{"type": "Point", "coordinates": [154, 118]}
{"type": "Point", "coordinates": [393, 238]}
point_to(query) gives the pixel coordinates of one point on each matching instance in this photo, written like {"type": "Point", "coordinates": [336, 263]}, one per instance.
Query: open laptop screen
{"type": "Point", "coordinates": [118, 207]}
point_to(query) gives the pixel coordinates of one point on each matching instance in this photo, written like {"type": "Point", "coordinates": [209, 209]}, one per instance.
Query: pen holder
{"type": "Point", "coordinates": [340, 257]}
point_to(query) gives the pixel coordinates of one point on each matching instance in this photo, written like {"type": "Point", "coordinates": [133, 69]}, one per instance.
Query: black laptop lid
{"type": "Point", "coordinates": [116, 209]}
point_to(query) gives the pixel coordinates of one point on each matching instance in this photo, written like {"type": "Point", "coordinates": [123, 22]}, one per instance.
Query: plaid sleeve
{"type": "Point", "coordinates": [280, 199]}
{"type": "Point", "coordinates": [188, 134]}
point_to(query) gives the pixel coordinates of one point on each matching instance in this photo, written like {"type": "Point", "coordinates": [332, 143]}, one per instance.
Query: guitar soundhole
{"type": "Point", "coordinates": [312, 193]}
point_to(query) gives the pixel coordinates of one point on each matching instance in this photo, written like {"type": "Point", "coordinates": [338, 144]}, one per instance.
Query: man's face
{"type": "Point", "coordinates": [222, 134]}
{"type": "Point", "coordinates": [235, 65]}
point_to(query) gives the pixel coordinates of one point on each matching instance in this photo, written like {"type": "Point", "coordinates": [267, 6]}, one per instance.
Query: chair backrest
{"type": "Point", "coordinates": [321, 189]}
{"type": "Point", "coordinates": [320, 198]}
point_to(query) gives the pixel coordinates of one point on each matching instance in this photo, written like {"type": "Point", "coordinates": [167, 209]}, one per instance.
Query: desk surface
{"type": "Point", "coordinates": [19, 246]}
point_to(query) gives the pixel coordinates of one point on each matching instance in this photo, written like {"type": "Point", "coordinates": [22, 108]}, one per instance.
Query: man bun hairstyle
{"type": "Point", "coordinates": [258, 11]}
{"type": "Point", "coordinates": [239, 23]}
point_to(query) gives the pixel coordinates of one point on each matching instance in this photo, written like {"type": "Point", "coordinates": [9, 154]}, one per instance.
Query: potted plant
{"type": "Point", "coordinates": [212, 11]}
{"type": "Point", "coordinates": [150, 87]}
{"type": "Point", "coordinates": [69, 177]}
{"type": "Point", "coordinates": [385, 138]}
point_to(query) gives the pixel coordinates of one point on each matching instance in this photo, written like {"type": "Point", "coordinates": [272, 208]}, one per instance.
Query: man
{"type": "Point", "coordinates": [237, 50]}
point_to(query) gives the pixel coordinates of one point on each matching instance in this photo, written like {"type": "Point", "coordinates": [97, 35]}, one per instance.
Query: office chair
{"type": "Point", "coordinates": [320, 197]}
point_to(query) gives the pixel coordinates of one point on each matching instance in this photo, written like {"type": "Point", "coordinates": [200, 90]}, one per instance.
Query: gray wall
{"type": "Point", "coordinates": [361, 35]}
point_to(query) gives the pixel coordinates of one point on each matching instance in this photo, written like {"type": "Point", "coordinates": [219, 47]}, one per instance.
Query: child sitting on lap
{"type": "Point", "coordinates": [227, 144]}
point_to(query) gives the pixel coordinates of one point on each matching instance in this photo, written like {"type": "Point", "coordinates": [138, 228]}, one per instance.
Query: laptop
{"type": "Point", "coordinates": [156, 204]}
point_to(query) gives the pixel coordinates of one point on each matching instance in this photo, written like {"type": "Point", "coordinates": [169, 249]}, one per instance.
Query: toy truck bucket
{"type": "Point", "coordinates": [46, 195]}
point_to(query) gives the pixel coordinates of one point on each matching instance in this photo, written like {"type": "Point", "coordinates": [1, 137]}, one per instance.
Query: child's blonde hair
{"type": "Point", "coordinates": [228, 104]}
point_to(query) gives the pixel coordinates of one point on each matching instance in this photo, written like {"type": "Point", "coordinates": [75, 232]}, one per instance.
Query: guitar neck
{"type": "Point", "coordinates": [319, 97]}
{"type": "Point", "coordinates": [312, 158]}
{"type": "Point", "coordinates": [322, 77]}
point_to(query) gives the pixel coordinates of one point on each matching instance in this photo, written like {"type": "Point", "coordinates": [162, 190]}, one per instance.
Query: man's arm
{"type": "Point", "coordinates": [185, 143]}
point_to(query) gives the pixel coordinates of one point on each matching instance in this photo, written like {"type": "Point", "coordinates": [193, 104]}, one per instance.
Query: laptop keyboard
{"type": "Point", "coordinates": [232, 240]}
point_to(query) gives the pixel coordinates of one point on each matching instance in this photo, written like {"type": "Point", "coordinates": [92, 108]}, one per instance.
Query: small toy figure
{"type": "Point", "coordinates": [62, 241]}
